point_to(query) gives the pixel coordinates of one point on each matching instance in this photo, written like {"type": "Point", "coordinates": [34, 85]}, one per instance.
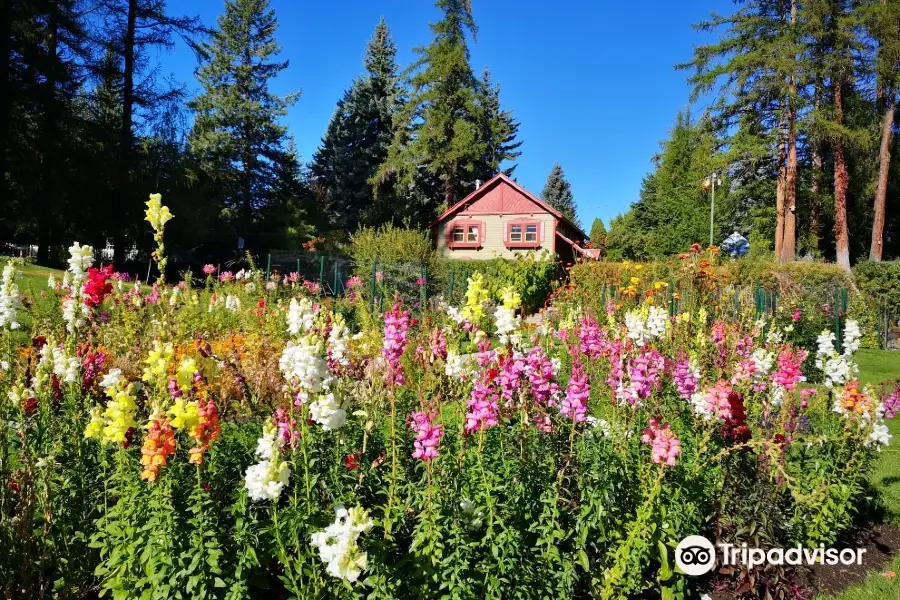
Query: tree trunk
{"type": "Point", "coordinates": [884, 166]}
{"type": "Point", "coordinates": [49, 141]}
{"type": "Point", "coordinates": [779, 191]}
{"type": "Point", "coordinates": [789, 245]}
{"type": "Point", "coordinates": [5, 101]}
{"type": "Point", "coordinates": [125, 137]}
{"type": "Point", "coordinates": [841, 182]}
{"type": "Point", "coordinates": [815, 207]}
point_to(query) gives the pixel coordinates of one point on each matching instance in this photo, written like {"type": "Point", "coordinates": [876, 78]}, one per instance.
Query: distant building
{"type": "Point", "coordinates": [501, 218]}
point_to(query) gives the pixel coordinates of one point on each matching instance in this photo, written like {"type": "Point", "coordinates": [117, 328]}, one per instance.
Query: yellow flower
{"type": "Point", "coordinates": [95, 427]}
{"type": "Point", "coordinates": [158, 363]}
{"type": "Point", "coordinates": [638, 267]}
{"type": "Point", "coordinates": [185, 415]}
{"type": "Point", "coordinates": [685, 317]}
{"type": "Point", "coordinates": [635, 280]}
{"type": "Point", "coordinates": [119, 413]}
{"type": "Point", "coordinates": [476, 296]}
{"type": "Point", "coordinates": [510, 298]}
{"type": "Point", "coordinates": [185, 373]}
{"type": "Point", "coordinates": [660, 284]}
{"type": "Point", "coordinates": [157, 214]}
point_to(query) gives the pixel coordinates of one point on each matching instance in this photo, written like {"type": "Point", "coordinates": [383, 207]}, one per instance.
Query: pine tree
{"type": "Point", "coordinates": [357, 139]}
{"type": "Point", "coordinates": [598, 236]}
{"type": "Point", "coordinates": [438, 129]}
{"type": "Point", "coordinates": [498, 132]}
{"type": "Point", "coordinates": [754, 66]}
{"type": "Point", "coordinates": [236, 135]}
{"type": "Point", "coordinates": [558, 193]}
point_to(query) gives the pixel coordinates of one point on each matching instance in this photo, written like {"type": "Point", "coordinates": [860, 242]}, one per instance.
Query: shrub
{"type": "Point", "coordinates": [533, 276]}
{"type": "Point", "coordinates": [881, 282]}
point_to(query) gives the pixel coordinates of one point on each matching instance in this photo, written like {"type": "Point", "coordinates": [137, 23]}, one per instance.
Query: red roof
{"type": "Point", "coordinates": [493, 182]}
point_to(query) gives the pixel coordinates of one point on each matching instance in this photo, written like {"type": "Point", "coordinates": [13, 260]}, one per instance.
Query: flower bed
{"type": "Point", "coordinates": [246, 438]}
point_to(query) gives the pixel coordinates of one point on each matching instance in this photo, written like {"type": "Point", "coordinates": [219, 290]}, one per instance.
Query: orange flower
{"type": "Point", "coordinates": [207, 430]}
{"type": "Point", "coordinates": [853, 400]}
{"type": "Point", "coordinates": [159, 445]}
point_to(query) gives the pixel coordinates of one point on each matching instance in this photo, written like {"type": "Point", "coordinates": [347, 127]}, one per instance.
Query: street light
{"type": "Point", "coordinates": [710, 183]}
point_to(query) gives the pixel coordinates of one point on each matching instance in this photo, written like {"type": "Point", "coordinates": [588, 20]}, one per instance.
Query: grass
{"type": "Point", "coordinates": [877, 367]}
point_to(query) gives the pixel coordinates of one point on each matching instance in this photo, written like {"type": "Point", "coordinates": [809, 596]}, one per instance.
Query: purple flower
{"type": "Point", "coordinates": [396, 323]}
{"type": "Point", "coordinates": [541, 377]}
{"type": "Point", "coordinates": [589, 337]}
{"type": "Point", "coordinates": [578, 392]}
{"type": "Point", "coordinates": [428, 435]}
{"type": "Point", "coordinates": [510, 376]}
{"type": "Point", "coordinates": [892, 404]}
{"type": "Point", "coordinates": [685, 378]}
{"type": "Point", "coordinates": [483, 408]}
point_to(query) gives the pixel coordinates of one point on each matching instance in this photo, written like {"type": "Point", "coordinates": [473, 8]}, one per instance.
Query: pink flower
{"type": "Point", "coordinates": [209, 269]}
{"type": "Point", "coordinates": [396, 323]}
{"type": "Point", "coordinates": [578, 392]}
{"type": "Point", "coordinates": [665, 445]}
{"type": "Point", "coordinates": [717, 400]}
{"type": "Point", "coordinates": [226, 276]}
{"type": "Point", "coordinates": [685, 378]}
{"type": "Point", "coordinates": [483, 407]}
{"type": "Point", "coordinates": [892, 404]}
{"type": "Point", "coordinates": [353, 282]}
{"type": "Point", "coordinates": [428, 435]}
{"type": "Point", "coordinates": [510, 375]}
{"type": "Point", "coordinates": [796, 315]}
{"type": "Point", "coordinates": [379, 276]}
{"type": "Point", "coordinates": [589, 337]}
{"type": "Point", "coordinates": [438, 343]}
{"type": "Point", "coordinates": [540, 375]}
{"type": "Point", "coordinates": [788, 374]}
{"type": "Point", "coordinates": [311, 286]}
{"type": "Point", "coordinates": [420, 281]}
{"type": "Point", "coordinates": [643, 375]}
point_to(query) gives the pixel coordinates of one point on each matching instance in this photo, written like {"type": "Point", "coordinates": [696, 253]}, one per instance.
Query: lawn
{"type": "Point", "coordinates": [876, 367]}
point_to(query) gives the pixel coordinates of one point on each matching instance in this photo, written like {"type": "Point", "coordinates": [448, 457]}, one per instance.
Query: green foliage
{"type": "Point", "coordinates": [392, 245]}
{"type": "Point", "coordinates": [557, 193]}
{"type": "Point", "coordinates": [237, 137]}
{"type": "Point", "coordinates": [880, 281]}
{"type": "Point", "coordinates": [357, 139]}
{"type": "Point", "coordinates": [599, 236]}
{"type": "Point", "coordinates": [534, 276]}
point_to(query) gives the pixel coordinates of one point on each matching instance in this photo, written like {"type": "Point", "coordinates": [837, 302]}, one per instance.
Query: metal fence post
{"type": "Point", "coordinates": [423, 292]}
{"type": "Point", "coordinates": [268, 266]}
{"type": "Point", "coordinates": [321, 273]}
{"type": "Point", "coordinates": [452, 281]}
{"type": "Point", "coordinates": [372, 286]}
{"type": "Point", "coordinates": [836, 309]}
{"type": "Point", "coordinates": [298, 267]}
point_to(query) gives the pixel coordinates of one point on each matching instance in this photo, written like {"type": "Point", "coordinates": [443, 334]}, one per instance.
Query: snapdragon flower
{"type": "Point", "coordinates": [636, 325]}
{"type": "Point", "coordinates": [852, 336]}
{"type": "Point", "coordinates": [266, 479]}
{"type": "Point", "coordinates": [338, 544]}
{"type": "Point", "coordinates": [541, 374]}
{"type": "Point", "coordinates": [339, 341]}
{"type": "Point", "coordinates": [304, 366]}
{"type": "Point", "coordinates": [665, 445]}
{"type": "Point", "coordinates": [476, 296]}
{"type": "Point", "coordinates": [879, 436]}
{"type": "Point", "coordinates": [578, 393]}
{"type": "Point", "coordinates": [232, 303]}
{"type": "Point", "coordinates": [428, 435]}
{"type": "Point", "coordinates": [327, 411]}
{"type": "Point", "coordinates": [657, 321]}
{"type": "Point", "coordinates": [9, 298]}
{"type": "Point", "coordinates": [396, 324]}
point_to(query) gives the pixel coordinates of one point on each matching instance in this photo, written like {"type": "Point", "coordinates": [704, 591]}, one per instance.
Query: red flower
{"type": "Point", "coordinates": [96, 287]}
{"type": "Point", "coordinates": [30, 405]}
{"type": "Point", "coordinates": [351, 462]}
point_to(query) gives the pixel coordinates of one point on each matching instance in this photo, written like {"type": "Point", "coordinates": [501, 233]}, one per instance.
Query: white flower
{"type": "Point", "coordinates": [9, 298]}
{"type": "Point", "coordinates": [301, 316]}
{"type": "Point", "coordinates": [80, 260]}
{"type": "Point", "coordinates": [339, 341]}
{"type": "Point", "coordinates": [232, 303]}
{"type": "Point", "coordinates": [637, 327]}
{"type": "Point", "coordinates": [111, 379]}
{"type": "Point", "coordinates": [657, 321]}
{"type": "Point", "coordinates": [327, 412]}
{"type": "Point", "coordinates": [454, 313]}
{"type": "Point", "coordinates": [266, 479]}
{"type": "Point", "coordinates": [507, 325]}
{"type": "Point", "coordinates": [825, 349]}
{"type": "Point", "coordinates": [852, 336]}
{"type": "Point", "coordinates": [879, 436]}
{"type": "Point", "coordinates": [700, 406]}
{"type": "Point", "coordinates": [250, 287]}
{"type": "Point", "coordinates": [338, 543]}
{"type": "Point", "coordinates": [304, 365]}
{"type": "Point", "coordinates": [51, 282]}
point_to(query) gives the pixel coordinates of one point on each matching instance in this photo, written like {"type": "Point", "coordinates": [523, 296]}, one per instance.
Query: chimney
{"type": "Point", "coordinates": [477, 183]}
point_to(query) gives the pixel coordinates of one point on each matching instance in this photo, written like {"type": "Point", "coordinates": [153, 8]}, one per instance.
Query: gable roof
{"type": "Point", "coordinates": [497, 180]}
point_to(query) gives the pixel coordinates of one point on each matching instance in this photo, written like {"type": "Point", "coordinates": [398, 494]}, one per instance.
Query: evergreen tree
{"type": "Point", "coordinates": [498, 132]}
{"type": "Point", "coordinates": [598, 236]}
{"type": "Point", "coordinates": [237, 135]}
{"type": "Point", "coordinates": [673, 210]}
{"type": "Point", "coordinates": [357, 139]}
{"type": "Point", "coordinates": [438, 129]}
{"type": "Point", "coordinates": [754, 66]}
{"type": "Point", "coordinates": [558, 193]}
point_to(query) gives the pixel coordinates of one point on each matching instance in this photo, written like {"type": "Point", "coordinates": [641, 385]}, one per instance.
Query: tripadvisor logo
{"type": "Point", "coordinates": [696, 555]}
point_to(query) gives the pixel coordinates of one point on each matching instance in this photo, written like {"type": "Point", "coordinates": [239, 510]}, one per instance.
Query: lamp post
{"type": "Point", "coordinates": [710, 183]}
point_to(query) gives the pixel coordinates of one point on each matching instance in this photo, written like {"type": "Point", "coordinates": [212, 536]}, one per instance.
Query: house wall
{"type": "Point", "coordinates": [493, 243]}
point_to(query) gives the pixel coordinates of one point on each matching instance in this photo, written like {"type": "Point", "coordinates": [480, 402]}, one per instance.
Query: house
{"type": "Point", "coordinates": [499, 219]}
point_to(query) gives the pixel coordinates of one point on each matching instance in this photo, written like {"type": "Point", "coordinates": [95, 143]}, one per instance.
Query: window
{"type": "Point", "coordinates": [465, 233]}
{"type": "Point", "coordinates": [523, 233]}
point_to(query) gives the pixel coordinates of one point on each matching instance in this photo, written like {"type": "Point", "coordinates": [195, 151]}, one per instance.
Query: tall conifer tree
{"type": "Point", "coordinates": [237, 135]}
{"type": "Point", "coordinates": [557, 193]}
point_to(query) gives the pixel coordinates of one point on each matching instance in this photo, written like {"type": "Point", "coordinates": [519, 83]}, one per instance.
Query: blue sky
{"type": "Point", "coordinates": [592, 83]}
